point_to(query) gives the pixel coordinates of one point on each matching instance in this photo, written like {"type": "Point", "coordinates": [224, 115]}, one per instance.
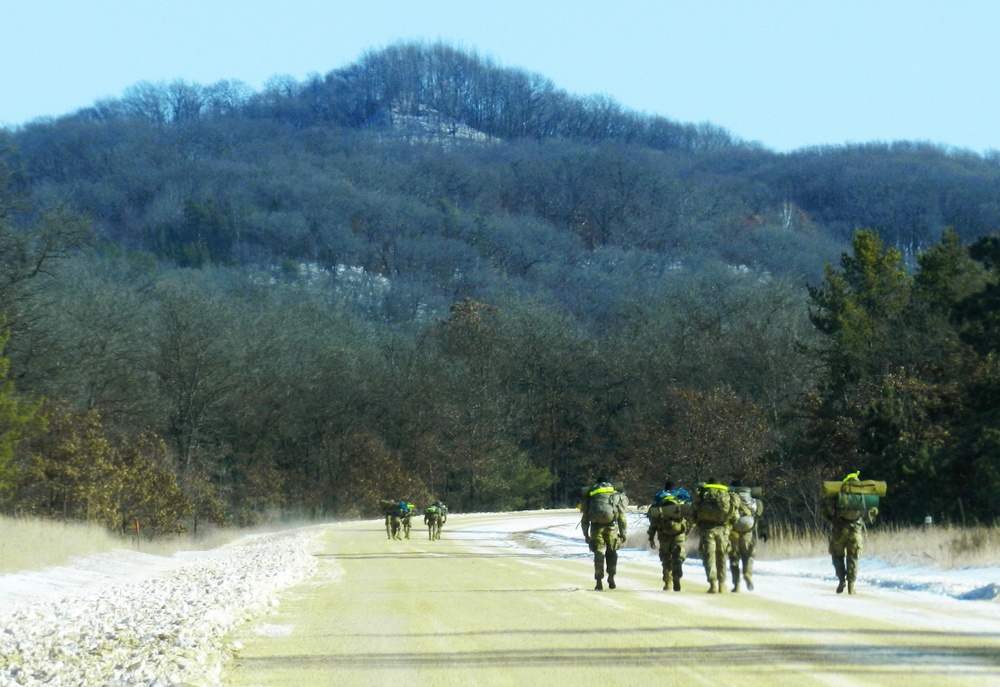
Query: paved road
{"type": "Point", "coordinates": [482, 607]}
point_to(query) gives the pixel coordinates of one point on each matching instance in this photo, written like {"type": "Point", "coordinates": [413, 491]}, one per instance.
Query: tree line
{"type": "Point", "coordinates": [224, 306]}
{"type": "Point", "coordinates": [181, 396]}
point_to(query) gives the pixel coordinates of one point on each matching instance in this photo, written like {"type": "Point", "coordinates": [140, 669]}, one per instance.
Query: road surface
{"type": "Point", "coordinates": [491, 604]}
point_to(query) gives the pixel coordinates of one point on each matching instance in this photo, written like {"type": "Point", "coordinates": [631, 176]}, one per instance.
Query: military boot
{"type": "Point", "coordinates": [677, 584]}
{"type": "Point", "coordinates": [599, 586]}
{"type": "Point", "coordinates": [666, 582]}
{"type": "Point", "coordinates": [749, 580]}
{"type": "Point", "coordinates": [736, 583]}
{"type": "Point", "coordinates": [713, 587]}
{"type": "Point", "coordinates": [611, 581]}
{"type": "Point", "coordinates": [840, 569]}
{"type": "Point", "coordinates": [722, 587]}
{"type": "Point", "coordinates": [850, 586]}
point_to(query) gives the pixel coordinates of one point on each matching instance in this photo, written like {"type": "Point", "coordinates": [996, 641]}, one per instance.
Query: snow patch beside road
{"type": "Point", "coordinates": [126, 619]}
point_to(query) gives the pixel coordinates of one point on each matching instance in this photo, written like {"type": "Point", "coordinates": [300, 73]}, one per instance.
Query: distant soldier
{"type": "Point", "coordinates": [405, 513]}
{"type": "Point", "coordinates": [667, 522]}
{"type": "Point", "coordinates": [715, 511]}
{"type": "Point", "coordinates": [435, 516]}
{"type": "Point", "coordinates": [390, 509]}
{"type": "Point", "coordinates": [849, 511]}
{"type": "Point", "coordinates": [743, 536]}
{"type": "Point", "coordinates": [604, 529]}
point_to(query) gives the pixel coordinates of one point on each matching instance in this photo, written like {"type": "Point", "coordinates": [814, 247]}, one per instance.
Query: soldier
{"type": "Point", "coordinates": [847, 518]}
{"type": "Point", "coordinates": [405, 513]}
{"type": "Point", "coordinates": [667, 522]}
{"type": "Point", "coordinates": [435, 516]}
{"type": "Point", "coordinates": [743, 537]}
{"type": "Point", "coordinates": [390, 511]}
{"type": "Point", "coordinates": [714, 513]}
{"type": "Point", "coordinates": [604, 529]}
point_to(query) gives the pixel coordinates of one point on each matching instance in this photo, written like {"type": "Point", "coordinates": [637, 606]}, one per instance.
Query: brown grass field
{"type": "Point", "coordinates": [34, 544]}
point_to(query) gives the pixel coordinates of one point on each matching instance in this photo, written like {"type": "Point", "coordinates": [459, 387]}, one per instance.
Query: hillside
{"type": "Point", "coordinates": [422, 276]}
{"type": "Point", "coordinates": [373, 163]}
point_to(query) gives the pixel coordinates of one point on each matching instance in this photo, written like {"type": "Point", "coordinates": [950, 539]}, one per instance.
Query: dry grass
{"type": "Point", "coordinates": [30, 544]}
{"type": "Point", "coordinates": [33, 544]}
{"type": "Point", "coordinates": [944, 547]}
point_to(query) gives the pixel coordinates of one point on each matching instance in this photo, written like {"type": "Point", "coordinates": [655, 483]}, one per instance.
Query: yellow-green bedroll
{"type": "Point", "coordinates": [868, 486]}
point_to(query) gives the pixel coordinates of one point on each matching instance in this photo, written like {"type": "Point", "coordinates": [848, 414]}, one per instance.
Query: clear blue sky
{"type": "Point", "coordinates": [786, 73]}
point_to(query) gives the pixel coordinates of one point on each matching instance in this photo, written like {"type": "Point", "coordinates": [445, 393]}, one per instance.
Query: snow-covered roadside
{"type": "Point", "coordinates": [132, 619]}
{"type": "Point", "coordinates": [967, 584]}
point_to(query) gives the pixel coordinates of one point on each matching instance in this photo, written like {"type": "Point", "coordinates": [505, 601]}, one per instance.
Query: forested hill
{"type": "Point", "coordinates": [455, 147]}
{"type": "Point", "coordinates": [427, 275]}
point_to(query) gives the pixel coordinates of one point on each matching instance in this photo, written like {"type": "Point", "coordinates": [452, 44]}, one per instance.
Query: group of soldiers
{"type": "Point", "coordinates": [726, 518]}
{"type": "Point", "coordinates": [398, 515]}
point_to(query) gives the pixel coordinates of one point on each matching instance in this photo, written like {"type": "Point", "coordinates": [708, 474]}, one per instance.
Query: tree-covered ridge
{"type": "Point", "coordinates": [322, 170]}
{"type": "Point", "coordinates": [365, 286]}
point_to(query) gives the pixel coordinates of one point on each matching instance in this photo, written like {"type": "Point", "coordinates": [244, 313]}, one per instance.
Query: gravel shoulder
{"type": "Point", "coordinates": [480, 607]}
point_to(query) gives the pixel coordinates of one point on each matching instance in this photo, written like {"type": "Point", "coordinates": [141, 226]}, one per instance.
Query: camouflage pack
{"type": "Point", "coordinates": [603, 504]}
{"type": "Point", "coordinates": [713, 506]}
{"type": "Point", "coordinates": [748, 510]}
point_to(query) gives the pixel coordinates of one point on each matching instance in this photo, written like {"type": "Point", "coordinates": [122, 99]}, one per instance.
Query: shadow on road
{"type": "Point", "coordinates": [842, 658]}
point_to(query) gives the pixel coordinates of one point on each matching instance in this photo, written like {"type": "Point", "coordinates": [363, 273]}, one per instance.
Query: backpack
{"type": "Point", "coordinates": [604, 504]}
{"type": "Point", "coordinates": [679, 495]}
{"type": "Point", "coordinates": [431, 510]}
{"type": "Point", "coordinates": [669, 507]}
{"type": "Point", "coordinates": [747, 509]}
{"type": "Point", "coordinates": [855, 506]}
{"type": "Point", "coordinates": [854, 499]}
{"type": "Point", "coordinates": [713, 505]}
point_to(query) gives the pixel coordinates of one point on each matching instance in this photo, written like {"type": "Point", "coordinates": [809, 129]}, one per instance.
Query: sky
{"type": "Point", "coordinates": [787, 74]}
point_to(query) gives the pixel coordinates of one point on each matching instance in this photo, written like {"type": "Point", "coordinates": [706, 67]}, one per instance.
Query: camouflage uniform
{"type": "Point", "coordinates": [434, 518]}
{"type": "Point", "coordinates": [743, 545]}
{"type": "Point", "coordinates": [847, 540]}
{"type": "Point", "coordinates": [392, 526]}
{"type": "Point", "coordinates": [846, 544]}
{"type": "Point", "coordinates": [603, 540]}
{"type": "Point", "coordinates": [390, 511]}
{"type": "Point", "coordinates": [714, 544]}
{"type": "Point", "coordinates": [405, 513]}
{"type": "Point", "coordinates": [672, 536]}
